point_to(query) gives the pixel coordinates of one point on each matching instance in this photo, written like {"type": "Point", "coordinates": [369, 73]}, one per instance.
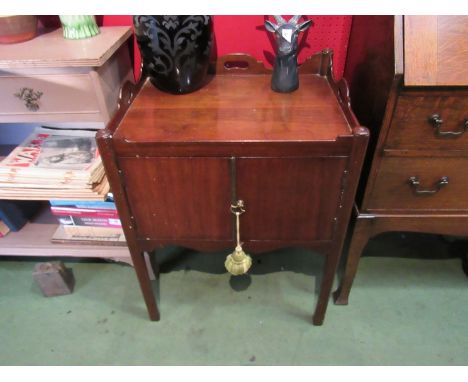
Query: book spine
{"type": "Point", "coordinates": [93, 233]}
{"type": "Point", "coordinates": [90, 221]}
{"type": "Point", "coordinates": [90, 231]}
{"type": "Point", "coordinates": [83, 204]}
{"type": "Point", "coordinates": [84, 212]}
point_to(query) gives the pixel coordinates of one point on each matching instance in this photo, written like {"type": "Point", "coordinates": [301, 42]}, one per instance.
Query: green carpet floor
{"type": "Point", "coordinates": [408, 306]}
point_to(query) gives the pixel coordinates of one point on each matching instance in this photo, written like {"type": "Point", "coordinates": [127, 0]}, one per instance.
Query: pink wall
{"type": "Point", "coordinates": [246, 34]}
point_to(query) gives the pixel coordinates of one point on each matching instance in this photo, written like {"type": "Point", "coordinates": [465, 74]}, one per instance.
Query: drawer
{"type": "Point", "coordinates": [61, 95]}
{"type": "Point", "coordinates": [413, 127]}
{"type": "Point", "coordinates": [396, 186]}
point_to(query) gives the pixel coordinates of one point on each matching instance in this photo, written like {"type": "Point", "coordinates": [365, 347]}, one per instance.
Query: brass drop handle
{"type": "Point", "coordinates": [415, 185]}
{"type": "Point", "coordinates": [238, 262]}
{"type": "Point", "coordinates": [437, 122]}
{"type": "Point", "coordinates": [30, 98]}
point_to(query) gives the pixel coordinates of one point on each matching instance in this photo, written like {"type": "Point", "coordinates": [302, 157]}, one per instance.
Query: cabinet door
{"type": "Point", "coordinates": [289, 199]}
{"type": "Point", "coordinates": [180, 198]}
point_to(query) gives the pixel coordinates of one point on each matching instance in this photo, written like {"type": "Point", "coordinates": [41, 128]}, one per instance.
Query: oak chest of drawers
{"type": "Point", "coordinates": [414, 96]}
{"type": "Point", "coordinates": [177, 163]}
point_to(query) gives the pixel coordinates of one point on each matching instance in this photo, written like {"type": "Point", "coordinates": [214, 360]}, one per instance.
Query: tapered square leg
{"type": "Point", "coordinates": [145, 285]}
{"type": "Point", "coordinates": [331, 264]}
{"type": "Point", "coordinates": [361, 234]}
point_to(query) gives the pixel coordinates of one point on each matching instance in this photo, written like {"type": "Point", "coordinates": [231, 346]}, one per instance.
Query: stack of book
{"type": "Point", "coordinates": [54, 164]}
{"type": "Point", "coordinates": [91, 221]}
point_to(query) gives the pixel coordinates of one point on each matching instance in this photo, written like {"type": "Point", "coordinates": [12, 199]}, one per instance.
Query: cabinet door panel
{"type": "Point", "coordinates": [292, 199]}
{"type": "Point", "coordinates": [180, 198]}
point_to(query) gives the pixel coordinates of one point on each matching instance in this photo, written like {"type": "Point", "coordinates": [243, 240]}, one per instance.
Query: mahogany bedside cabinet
{"type": "Point", "coordinates": [409, 83]}
{"type": "Point", "coordinates": [177, 163]}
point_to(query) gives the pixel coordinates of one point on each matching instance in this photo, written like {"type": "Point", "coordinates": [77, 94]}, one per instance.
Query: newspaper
{"type": "Point", "coordinates": [39, 192]}
{"type": "Point", "coordinates": [54, 153]}
{"type": "Point", "coordinates": [54, 164]}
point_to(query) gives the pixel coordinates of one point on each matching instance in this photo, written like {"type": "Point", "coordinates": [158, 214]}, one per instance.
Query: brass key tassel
{"type": "Point", "coordinates": [238, 262]}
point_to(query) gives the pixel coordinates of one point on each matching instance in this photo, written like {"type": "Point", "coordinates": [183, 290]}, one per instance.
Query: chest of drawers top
{"type": "Point", "coordinates": [51, 50]}
{"type": "Point", "coordinates": [68, 81]}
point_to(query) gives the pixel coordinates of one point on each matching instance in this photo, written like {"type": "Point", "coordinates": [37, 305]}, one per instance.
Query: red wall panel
{"type": "Point", "coordinates": [246, 34]}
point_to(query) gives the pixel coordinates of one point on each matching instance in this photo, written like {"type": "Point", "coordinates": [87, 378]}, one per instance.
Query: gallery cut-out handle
{"type": "Point", "coordinates": [236, 65]}
{"type": "Point", "coordinates": [239, 63]}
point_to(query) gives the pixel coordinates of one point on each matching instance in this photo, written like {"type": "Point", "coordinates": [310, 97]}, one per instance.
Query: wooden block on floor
{"type": "Point", "coordinates": [54, 279]}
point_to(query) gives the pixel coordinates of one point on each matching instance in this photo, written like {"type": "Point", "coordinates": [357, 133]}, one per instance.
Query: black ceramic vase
{"type": "Point", "coordinates": [175, 50]}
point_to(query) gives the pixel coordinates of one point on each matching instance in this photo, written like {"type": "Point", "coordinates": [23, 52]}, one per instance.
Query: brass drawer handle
{"type": "Point", "coordinates": [30, 98]}
{"type": "Point", "coordinates": [414, 184]}
{"type": "Point", "coordinates": [437, 122]}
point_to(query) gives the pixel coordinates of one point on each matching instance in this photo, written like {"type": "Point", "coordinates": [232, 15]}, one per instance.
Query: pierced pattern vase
{"type": "Point", "coordinates": [175, 50]}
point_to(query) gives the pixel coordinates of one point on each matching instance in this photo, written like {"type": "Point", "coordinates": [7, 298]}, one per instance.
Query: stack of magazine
{"type": "Point", "coordinates": [54, 164]}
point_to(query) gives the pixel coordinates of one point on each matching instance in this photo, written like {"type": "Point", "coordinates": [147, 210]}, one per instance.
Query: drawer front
{"type": "Point", "coordinates": [418, 184]}
{"type": "Point", "coordinates": [429, 122]}
{"type": "Point", "coordinates": [49, 94]}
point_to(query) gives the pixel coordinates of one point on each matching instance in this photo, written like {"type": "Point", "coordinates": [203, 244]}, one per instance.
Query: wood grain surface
{"type": "Point", "coordinates": [177, 162]}
{"type": "Point", "coordinates": [411, 128]}
{"type": "Point", "coordinates": [392, 191]}
{"type": "Point", "coordinates": [436, 50]}
{"type": "Point", "coordinates": [251, 111]}
{"type": "Point", "coordinates": [50, 49]}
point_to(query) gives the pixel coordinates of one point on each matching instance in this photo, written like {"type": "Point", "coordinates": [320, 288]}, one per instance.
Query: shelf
{"type": "Point", "coordinates": [34, 240]}
{"type": "Point", "coordinates": [80, 80]}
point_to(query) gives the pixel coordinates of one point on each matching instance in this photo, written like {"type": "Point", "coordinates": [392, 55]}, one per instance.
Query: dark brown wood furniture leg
{"type": "Point", "coordinates": [331, 264]}
{"type": "Point", "coordinates": [368, 226]}
{"type": "Point", "coordinates": [104, 141]}
{"type": "Point", "coordinates": [361, 234]}
{"type": "Point", "coordinates": [145, 284]}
